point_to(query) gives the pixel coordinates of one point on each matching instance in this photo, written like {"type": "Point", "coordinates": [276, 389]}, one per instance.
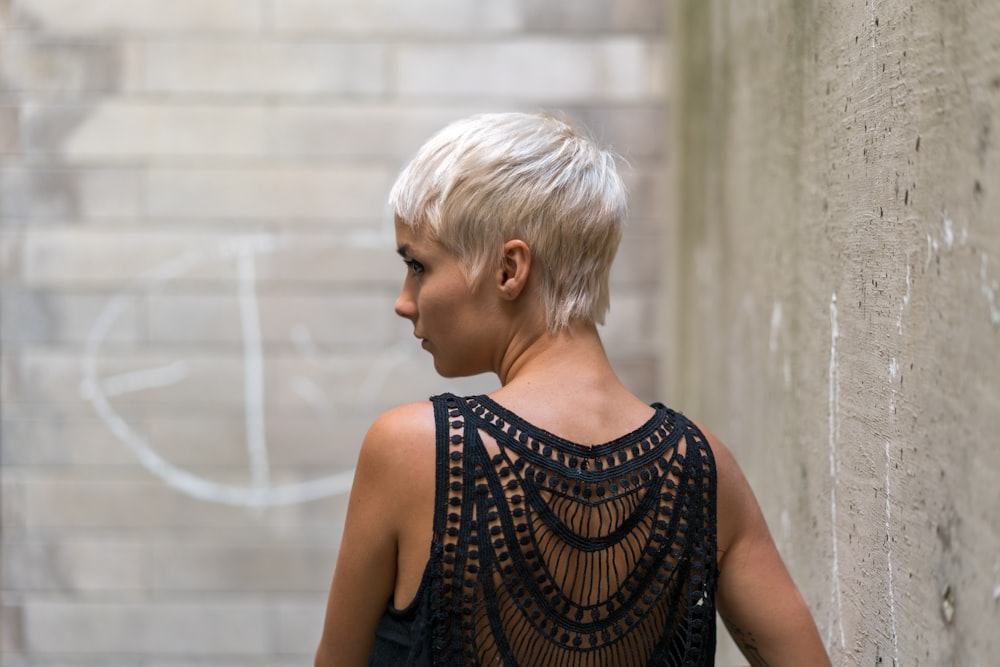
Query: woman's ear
{"type": "Point", "coordinates": [515, 266]}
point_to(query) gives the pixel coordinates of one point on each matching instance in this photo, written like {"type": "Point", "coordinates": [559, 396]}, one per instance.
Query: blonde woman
{"type": "Point", "coordinates": [559, 520]}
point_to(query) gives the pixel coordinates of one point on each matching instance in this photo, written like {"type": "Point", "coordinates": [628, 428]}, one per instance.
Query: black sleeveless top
{"type": "Point", "coordinates": [546, 552]}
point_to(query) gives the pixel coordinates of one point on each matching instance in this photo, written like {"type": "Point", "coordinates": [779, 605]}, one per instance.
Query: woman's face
{"type": "Point", "coordinates": [456, 323]}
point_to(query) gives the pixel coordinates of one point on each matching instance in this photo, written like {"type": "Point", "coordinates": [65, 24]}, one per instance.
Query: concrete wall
{"type": "Point", "coordinates": [198, 274]}
{"type": "Point", "coordinates": [835, 301]}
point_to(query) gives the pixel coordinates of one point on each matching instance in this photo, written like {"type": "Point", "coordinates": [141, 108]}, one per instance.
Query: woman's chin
{"type": "Point", "coordinates": [447, 372]}
{"type": "Point", "coordinates": [453, 370]}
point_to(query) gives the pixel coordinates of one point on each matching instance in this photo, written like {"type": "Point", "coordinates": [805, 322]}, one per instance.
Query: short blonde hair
{"type": "Point", "coordinates": [491, 178]}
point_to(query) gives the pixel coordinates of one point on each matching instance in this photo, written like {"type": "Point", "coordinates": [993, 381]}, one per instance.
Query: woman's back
{"type": "Point", "coordinates": [550, 552]}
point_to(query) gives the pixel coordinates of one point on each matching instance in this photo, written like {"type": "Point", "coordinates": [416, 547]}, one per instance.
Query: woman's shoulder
{"type": "Point", "coordinates": [418, 414]}
{"type": "Point", "coordinates": [400, 441]}
{"type": "Point", "coordinates": [412, 414]}
{"type": "Point", "coordinates": [738, 511]}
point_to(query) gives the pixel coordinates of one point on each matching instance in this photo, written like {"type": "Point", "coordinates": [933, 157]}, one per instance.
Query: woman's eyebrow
{"type": "Point", "coordinates": [403, 250]}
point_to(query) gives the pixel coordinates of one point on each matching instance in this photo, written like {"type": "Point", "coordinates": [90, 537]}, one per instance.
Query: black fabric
{"type": "Point", "coordinates": [547, 552]}
{"type": "Point", "coordinates": [403, 636]}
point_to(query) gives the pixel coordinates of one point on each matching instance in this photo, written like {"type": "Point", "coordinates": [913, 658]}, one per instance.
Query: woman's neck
{"type": "Point", "coordinates": [564, 383]}
{"type": "Point", "coordinates": [574, 352]}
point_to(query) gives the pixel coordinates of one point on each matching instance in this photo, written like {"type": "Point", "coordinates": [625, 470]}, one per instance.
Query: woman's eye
{"type": "Point", "coordinates": [415, 267]}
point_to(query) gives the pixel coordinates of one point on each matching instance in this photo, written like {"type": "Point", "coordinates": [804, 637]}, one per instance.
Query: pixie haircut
{"type": "Point", "coordinates": [491, 178]}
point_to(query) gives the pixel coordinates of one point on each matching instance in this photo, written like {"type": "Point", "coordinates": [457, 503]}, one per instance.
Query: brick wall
{"type": "Point", "coordinates": [197, 284]}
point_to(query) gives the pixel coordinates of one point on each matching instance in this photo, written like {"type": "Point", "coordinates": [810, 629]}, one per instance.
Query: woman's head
{"type": "Point", "coordinates": [491, 178]}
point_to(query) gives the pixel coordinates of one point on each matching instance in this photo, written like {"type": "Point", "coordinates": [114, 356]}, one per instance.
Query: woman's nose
{"type": "Point", "coordinates": [404, 306]}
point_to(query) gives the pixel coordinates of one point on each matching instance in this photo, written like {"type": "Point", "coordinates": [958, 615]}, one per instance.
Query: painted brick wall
{"type": "Point", "coordinates": [197, 285]}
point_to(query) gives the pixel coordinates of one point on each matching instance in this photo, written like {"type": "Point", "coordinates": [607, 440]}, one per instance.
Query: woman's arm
{"type": "Point", "coordinates": [365, 574]}
{"type": "Point", "coordinates": [756, 597]}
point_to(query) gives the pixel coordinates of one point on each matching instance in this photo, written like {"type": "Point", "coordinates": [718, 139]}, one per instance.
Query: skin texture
{"type": "Point", "coordinates": [562, 382]}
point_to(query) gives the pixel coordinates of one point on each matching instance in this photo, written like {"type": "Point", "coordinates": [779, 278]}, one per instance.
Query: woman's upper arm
{"type": "Point", "coordinates": [365, 573]}
{"type": "Point", "coordinates": [756, 597]}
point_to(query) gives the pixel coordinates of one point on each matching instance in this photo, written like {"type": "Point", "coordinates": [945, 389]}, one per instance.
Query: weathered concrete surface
{"type": "Point", "coordinates": [836, 259]}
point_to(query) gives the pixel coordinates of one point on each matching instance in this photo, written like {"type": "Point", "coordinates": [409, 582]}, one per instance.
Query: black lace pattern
{"type": "Point", "coordinates": [547, 552]}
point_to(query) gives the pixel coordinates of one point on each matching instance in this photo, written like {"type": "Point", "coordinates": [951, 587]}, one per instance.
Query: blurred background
{"type": "Point", "coordinates": [198, 273]}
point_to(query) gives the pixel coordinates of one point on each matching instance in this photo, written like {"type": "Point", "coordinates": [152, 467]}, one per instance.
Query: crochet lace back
{"type": "Point", "coordinates": [553, 553]}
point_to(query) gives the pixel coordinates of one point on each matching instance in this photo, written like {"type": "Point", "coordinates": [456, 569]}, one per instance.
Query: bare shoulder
{"type": "Point", "coordinates": [738, 510]}
{"type": "Point", "coordinates": [411, 420]}
{"type": "Point", "coordinates": [719, 449]}
{"type": "Point", "coordinates": [399, 463]}
{"type": "Point", "coordinates": [400, 439]}
{"type": "Point", "coordinates": [388, 484]}
{"type": "Point", "coordinates": [730, 476]}
{"type": "Point", "coordinates": [395, 471]}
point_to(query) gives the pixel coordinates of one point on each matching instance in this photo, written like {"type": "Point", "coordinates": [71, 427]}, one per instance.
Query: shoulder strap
{"type": "Point", "coordinates": [443, 404]}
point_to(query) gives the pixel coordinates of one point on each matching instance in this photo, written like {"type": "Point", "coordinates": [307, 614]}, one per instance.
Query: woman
{"type": "Point", "coordinates": [559, 520]}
